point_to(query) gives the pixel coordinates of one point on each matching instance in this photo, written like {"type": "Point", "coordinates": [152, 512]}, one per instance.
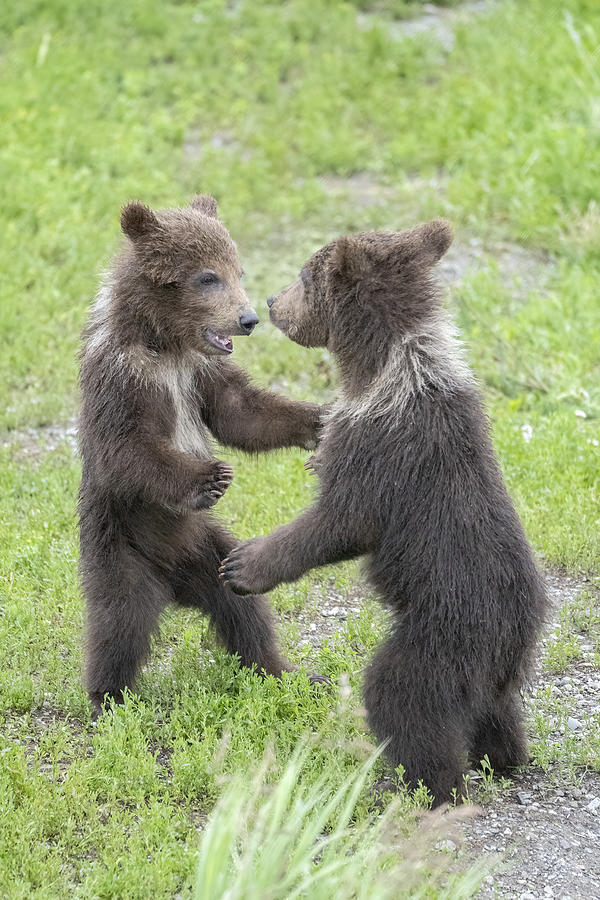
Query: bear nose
{"type": "Point", "coordinates": [248, 321]}
{"type": "Point", "coordinates": [271, 300]}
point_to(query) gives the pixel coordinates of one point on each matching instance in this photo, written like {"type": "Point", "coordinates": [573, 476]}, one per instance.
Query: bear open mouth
{"type": "Point", "coordinates": [219, 341]}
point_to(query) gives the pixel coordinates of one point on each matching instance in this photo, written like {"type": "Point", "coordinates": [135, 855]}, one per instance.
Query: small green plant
{"type": "Point", "coordinates": [490, 786]}
{"type": "Point", "coordinates": [580, 616]}
{"type": "Point", "coordinates": [561, 652]}
{"type": "Point", "coordinates": [584, 613]}
{"type": "Point", "coordinates": [485, 787]}
{"type": "Point", "coordinates": [297, 839]}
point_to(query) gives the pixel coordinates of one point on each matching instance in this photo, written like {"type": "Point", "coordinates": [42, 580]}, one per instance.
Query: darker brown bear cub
{"type": "Point", "coordinates": [408, 477]}
{"type": "Point", "coordinates": [156, 383]}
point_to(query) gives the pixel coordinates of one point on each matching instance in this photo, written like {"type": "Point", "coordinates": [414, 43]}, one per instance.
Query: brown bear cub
{"type": "Point", "coordinates": [408, 476]}
{"type": "Point", "coordinates": [156, 383]}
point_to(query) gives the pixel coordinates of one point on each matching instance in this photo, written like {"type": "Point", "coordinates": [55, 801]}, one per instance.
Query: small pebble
{"type": "Point", "coordinates": [573, 724]}
{"type": "Point", "coordinates": [446, 845]}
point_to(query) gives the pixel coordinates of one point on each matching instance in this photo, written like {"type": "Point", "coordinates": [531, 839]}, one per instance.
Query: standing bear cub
{"type": "Point", "coordinates": [408, 476]}
{"type": "Point", "coordinates": [156, 383]}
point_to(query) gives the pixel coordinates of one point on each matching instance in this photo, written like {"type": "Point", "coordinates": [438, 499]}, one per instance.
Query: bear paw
{"type": "Point", "coordinates": [209, 491]}
{"type": "Point", "coordinates": [244, 569]}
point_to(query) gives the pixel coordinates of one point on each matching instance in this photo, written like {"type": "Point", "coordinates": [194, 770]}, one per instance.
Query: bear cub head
{"type": "Point", "coordinates": [185, 277]}
{"type": "Point", "coordinates": [363, 289]}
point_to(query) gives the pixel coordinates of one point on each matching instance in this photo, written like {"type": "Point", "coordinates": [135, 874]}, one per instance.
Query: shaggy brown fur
{"type": "Point", "coordinates": [156, 383]}
{"type": "Point", "coordinates": [409, 478]}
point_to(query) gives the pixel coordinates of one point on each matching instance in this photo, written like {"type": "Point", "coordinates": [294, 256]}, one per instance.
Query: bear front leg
{"type": "Point", "coordinates": [241, 415]}
{"type": "Point", "coordinates": [290, 551]}
{"type": "Point", "coordinates": [244, 627]}
{"type": "Point", "coordinates": [250, 568]}
{"type": "Point", "coordinates": [154, 471]}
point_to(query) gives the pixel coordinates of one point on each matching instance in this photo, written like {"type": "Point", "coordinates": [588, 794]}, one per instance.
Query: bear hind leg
{"type": "Point", "coordinates": [425, 732]}
{"type": "Point", "coordinates": [122, 614]}
{"type": "Point", "coordinates": [500, 735]}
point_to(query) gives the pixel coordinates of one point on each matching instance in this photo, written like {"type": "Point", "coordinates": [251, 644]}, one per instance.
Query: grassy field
{"type": "Point", "coordinates": [304, 125]}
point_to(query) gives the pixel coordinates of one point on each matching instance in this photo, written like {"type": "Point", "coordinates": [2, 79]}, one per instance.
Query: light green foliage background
{"type": "Point", "coordinates": [265, 105]}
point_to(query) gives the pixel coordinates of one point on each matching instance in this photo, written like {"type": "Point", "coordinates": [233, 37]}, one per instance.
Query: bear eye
{"type": "Point", "coordinates": [305, 277]}
{"type": "Point", "coordinates": [207, 277]}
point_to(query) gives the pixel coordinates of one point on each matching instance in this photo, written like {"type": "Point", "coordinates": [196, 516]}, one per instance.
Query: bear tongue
{"type": "Point", "coordinates": [220, 341]}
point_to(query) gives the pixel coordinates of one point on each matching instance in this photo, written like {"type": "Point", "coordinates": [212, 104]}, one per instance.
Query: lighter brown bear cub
{"type": "Point", "coordinates": [157, 384]}
{"type": "Point", "coordinates": [408, 478]}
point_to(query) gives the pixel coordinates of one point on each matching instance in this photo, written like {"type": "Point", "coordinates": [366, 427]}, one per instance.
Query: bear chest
{"type": "Point", "coordinates": [189, 434]}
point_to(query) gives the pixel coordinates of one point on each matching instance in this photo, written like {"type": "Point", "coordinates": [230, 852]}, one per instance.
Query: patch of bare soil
{"type": "Point", "coordinates": [197, 144]}
{"type": "Point", "coordinates": [32, 443]}
{"type": "Point", "coordinates": [437, 22]}
{"type": "Point", "coordinates": [548, 837]}
{"type": "Point", "coordinates": [522, 268]}
{"type": "Point", "coordinates": [361, 189]}
{"type": "Point", "coordinates": [544, 832]}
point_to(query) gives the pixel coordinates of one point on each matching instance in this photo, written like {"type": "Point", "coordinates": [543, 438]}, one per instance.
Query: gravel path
{"type": "Point", "coordinates": [543, 831]}
{"type": "Point", "coordinates": [548, 829]}
{"type": "Point", "coordinates": [549, 839]}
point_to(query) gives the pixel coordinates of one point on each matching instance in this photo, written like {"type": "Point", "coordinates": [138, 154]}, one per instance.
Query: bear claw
{"type": "Point", "coordinates": [228, 572]}
{"type": "Point", "coordinates": [210, 491]}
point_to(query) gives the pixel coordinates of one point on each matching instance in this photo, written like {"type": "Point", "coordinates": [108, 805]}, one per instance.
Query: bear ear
{"type": "Point", "coordinates": [205, 204]}
{"type": "Point", "coordinates": [350, 257]}
{"type": "Point", "coordinates": [427, 243]}
{"type": "Point", "coordinates": [137, 219]}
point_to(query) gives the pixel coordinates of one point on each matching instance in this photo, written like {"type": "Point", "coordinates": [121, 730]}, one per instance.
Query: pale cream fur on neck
{"type": "Point", "coordinates": [431, 357]}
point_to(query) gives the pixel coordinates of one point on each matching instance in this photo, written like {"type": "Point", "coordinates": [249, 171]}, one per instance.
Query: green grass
{"type": "Point", "coordinates": [283, 841]}
{"type": "Point", "coordinates": [260, 104]}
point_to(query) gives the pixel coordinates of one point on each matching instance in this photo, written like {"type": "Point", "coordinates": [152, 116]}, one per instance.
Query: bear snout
{"type": "Point", "coordinates": [247, 321]}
